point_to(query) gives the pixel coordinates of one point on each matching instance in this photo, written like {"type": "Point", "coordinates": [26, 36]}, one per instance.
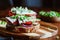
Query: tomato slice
{"type": "Point", "coordinates": [28, 23]}
{"type": "Point", "coordinates": [22, 30]}
{"type": "Point", "coordinates": [10, 13]}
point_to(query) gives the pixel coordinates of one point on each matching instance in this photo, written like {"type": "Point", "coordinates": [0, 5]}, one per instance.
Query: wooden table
{"type": "Point", "coordinates": [5, 12]}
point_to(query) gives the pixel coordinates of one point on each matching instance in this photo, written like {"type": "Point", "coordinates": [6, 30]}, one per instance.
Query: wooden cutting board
{"type": "Point", "coordinates": [45, 28]}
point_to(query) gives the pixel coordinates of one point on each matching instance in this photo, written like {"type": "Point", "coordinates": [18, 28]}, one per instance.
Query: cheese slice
{"type": "Point", "coordinates": [11, 20]}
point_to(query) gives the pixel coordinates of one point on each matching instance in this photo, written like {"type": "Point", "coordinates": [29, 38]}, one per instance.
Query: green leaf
{"type": "Point", "coordinates": [21, 18]}
{"type": "Point", "coordinates": [14, 17]}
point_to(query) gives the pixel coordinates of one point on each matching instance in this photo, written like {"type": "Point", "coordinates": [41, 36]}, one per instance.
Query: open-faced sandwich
{"type": "Point", "coordinates": [3, 24]}
{"type": "Point", "coordinates": [50, 16]}
{"type": "Point", "coordinates": [24, 18]}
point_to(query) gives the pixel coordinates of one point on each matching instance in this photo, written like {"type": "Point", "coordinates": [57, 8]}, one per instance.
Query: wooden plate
{"type": "Point", "coordinates": [46, 30]}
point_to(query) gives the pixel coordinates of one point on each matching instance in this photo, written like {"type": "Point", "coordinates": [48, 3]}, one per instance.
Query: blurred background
{"type": "Point", "coordinates": [4, 4]}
